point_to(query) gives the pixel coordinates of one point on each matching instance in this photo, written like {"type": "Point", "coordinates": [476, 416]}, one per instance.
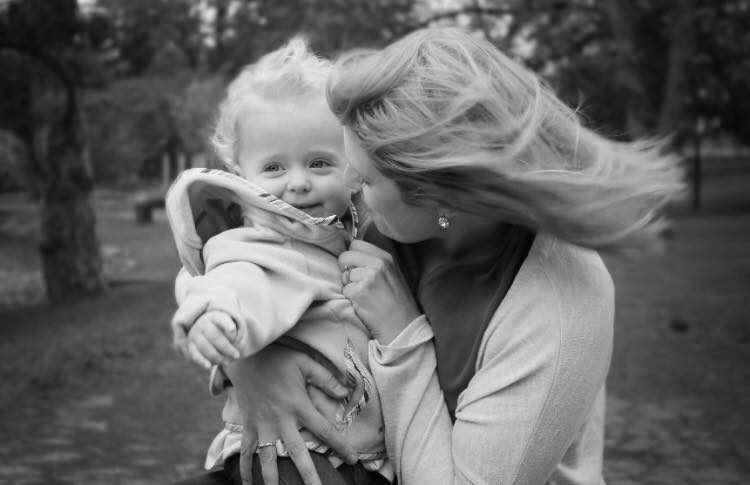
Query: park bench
{"type": "Point", "coordinates": [145, 202]}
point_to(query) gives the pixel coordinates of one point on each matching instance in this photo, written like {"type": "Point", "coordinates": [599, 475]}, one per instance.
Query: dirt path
{"type": "Point", "coordinates": [101, 405]}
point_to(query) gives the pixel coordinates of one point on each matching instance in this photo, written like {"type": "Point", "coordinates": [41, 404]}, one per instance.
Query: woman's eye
{"type": "Point", "coordinates": [320, 163]}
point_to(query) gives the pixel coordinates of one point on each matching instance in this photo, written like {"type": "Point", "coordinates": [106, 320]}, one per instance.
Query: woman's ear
{"type": "Point", "coordinates": [444, 216]}
{"type": "Point", "coordinates": [445, 210]}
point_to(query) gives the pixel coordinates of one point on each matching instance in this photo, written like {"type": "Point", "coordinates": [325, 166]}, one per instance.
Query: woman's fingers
{"type": "Point", "coordinates": [268, 467]}
{"type": "Point", "coordinates": [323, 379]}
{"type": "Point", "coordinates": [362, 253]}
{"type": "Point", "coordinates": [368, 248]}
{"type": "Point", "coordinates": [318, 425]}
{"type": "Point", "coordinates": [360, 274]}
{"type": "Point", "coordinates": [268, 433]}
{"type": "Point", "coordinates": [300, 455]}
{"type": "Point", "coordinates": [247, 451]}
{"type": "Point", "coordinates": [355, 259]}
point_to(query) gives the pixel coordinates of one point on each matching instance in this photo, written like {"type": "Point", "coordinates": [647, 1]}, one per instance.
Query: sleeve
{"type": "Point", "coordinates": [181, 284]}
{"type": "Point", "coordinates": [538, 376]}
{"type": "Point", "coordinates": [252, 276]}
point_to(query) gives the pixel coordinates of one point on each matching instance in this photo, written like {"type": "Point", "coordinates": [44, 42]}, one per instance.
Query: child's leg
{"type": "Point", "coordinates": [229, 475]}
{"type": "Point", "coordinates": [288, 474]}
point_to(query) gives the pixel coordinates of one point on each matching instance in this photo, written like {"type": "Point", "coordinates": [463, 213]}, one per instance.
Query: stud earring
{"type": "Point", "coordinates": [444, 222]}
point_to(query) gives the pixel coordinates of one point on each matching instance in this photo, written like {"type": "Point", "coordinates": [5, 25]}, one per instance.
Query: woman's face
{"type": "Point", "coordinates": [394, 218]}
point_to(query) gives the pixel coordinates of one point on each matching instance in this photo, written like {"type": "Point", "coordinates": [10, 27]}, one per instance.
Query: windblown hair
{"type": "Point", "coordinates": [288, 74]}
{"type": "Point", "coordinates": [453, 120]}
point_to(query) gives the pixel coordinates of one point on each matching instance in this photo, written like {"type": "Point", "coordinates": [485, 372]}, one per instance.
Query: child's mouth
{"type": "Point", "coordinates": [315, 210]}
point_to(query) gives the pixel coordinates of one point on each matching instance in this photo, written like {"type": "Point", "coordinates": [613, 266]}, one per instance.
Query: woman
{"type": "Point", "coordinates": [492, 312]}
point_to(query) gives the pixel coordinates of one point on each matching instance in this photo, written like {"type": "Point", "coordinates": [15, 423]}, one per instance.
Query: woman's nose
{"type": "Point", "coordinates": [352, 180]}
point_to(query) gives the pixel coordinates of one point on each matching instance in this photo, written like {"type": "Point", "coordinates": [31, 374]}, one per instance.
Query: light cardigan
{"type": "Point", "coordinates": [534, 411]}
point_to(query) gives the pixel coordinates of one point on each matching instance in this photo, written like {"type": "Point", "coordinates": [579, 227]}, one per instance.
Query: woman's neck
{"type": "Point", "coordinates": [467, 234]}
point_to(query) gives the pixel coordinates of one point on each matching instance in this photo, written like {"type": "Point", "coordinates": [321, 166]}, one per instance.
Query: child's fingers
{"type": "Point", "coordinates": [226, 325]}
{"type": "Point", "coordinates": [179, 342]}
{"type": "Point", "coordinates": [206, 347]}
{"type": "Point", "coordinates": [223, 346]}
{"type": "Point", "coordinates": [218, 340]}
{"type": "Point", "coordinates": [195, 356]}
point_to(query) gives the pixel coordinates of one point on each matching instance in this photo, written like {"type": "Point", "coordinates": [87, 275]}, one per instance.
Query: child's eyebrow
{"type": "Point", "coordinates": [271, 157]}
{"type": "Point", "coordinates": [322, 153]}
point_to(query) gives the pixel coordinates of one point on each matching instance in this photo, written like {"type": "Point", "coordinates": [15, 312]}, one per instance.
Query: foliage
{"type": "Point", "coordinates": [719, 73]}
{"type": "Point", "coordinates": [13, 161]}
{"type": "Point", "coordinates": [132, 124]}
{"type": "Point", "coordinates": [248, 29]}
{"type": "Point", "coordinates": [631, 66]}
{"type": "Point", "coordinates": [138, 30]}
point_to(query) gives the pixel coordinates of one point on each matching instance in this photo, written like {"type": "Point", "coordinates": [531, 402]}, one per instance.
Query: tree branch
{"type": "Point", "coordinates": [57, 70]}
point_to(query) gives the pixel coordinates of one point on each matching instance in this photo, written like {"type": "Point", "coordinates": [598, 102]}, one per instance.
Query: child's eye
{"type": "Point", "coordinates": [320, 163]}
{"type": "Point", "coordinates": [272, 167]}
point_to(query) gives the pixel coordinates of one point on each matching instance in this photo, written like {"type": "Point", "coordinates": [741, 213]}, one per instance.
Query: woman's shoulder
{"type": "Point", "coordinates": [579, 274]}
{"type": "Point", "coordinates": [561, 293]}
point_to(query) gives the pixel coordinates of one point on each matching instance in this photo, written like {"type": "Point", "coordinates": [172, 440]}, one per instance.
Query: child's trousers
{"type": "Point", "coordinates": [288, 475]}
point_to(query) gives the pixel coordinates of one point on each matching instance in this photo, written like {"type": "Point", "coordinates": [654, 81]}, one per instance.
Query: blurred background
{"type": "Point", "coordinates": [103, 102]}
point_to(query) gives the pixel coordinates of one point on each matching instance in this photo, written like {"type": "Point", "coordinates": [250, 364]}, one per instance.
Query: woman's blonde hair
{"type": "Point", "coordinates": [453, 120]}
{"type": "Point", "coordinates": [289, 74]}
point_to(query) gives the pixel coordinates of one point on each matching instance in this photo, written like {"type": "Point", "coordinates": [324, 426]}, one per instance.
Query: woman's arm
{"type": "Point", "coordinates": [274, 389]}
{"type": "Point", "coordinates": [542, 363]}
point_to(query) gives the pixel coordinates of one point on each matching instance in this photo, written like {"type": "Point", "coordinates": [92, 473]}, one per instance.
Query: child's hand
{"type": "Point", "coordinates": [210, 340]}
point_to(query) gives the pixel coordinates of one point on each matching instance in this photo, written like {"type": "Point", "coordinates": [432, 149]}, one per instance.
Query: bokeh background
{"type": "Point", "coordinates": [102, 102]}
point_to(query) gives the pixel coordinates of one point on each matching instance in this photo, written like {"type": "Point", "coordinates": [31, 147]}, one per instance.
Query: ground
{"type": "Point", "coordinates": [93, 393]}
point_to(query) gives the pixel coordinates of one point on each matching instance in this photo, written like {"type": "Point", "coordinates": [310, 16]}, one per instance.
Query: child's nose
{"type": "Point", "coordinates": [299, 181]}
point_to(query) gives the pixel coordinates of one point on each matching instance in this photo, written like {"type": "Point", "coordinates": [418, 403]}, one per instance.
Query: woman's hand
{"type": "Point", "coordinates": [272, 393]}
{"type": "Point", "coordinates": [378, 290]}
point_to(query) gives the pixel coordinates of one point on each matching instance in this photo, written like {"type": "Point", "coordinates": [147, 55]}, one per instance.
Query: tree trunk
{"type": "Point", "coordinates": [71, 262]}
{"type": "Point", "coordinates": [622, 19]}
{"type": "Point", "coordinates": [680, 50]}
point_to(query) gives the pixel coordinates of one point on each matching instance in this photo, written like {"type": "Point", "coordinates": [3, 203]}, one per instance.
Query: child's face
{"type": "Point", "coordinates": [295, 151]}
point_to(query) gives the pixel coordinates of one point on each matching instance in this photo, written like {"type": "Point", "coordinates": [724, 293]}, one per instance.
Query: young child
{"type": "Point", "coordinates": [259, 245]}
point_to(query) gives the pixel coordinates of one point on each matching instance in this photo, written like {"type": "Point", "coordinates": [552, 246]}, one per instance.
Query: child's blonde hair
{"type": "Point", "coordinates": [453, 120]}
{"type": "Point", "coordinates": [288, 74]}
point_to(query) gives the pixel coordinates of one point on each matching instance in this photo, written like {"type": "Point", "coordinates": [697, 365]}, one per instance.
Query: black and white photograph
{"type": "Point", "coordinates": [374, 242]}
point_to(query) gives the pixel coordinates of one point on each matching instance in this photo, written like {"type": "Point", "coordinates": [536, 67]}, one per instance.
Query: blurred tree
{"type": "Point", "coordinates": [14, 158]}
{"type": "Point", "coordinates": [240, 31]}
{"type": "Point", "coordinates": [44, 42]}
{"type": "Point", "coordinates": [194, 110]}
{"type": "Point", "coordinates": [678, 68]}
{"type": "Point", "coordinates": [140, 30]}
{"type": "Point", "coordinates": [134, 123]}
{"type": "Point", "coordinates": [635, 66]}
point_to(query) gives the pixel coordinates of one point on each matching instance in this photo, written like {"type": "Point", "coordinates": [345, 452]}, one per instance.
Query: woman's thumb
{"type": "Point", "coordinates": [323, 379]}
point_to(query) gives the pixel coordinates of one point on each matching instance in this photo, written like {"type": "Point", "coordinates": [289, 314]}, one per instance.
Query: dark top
{"type": "Point", "coordinates": [459, 298]}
